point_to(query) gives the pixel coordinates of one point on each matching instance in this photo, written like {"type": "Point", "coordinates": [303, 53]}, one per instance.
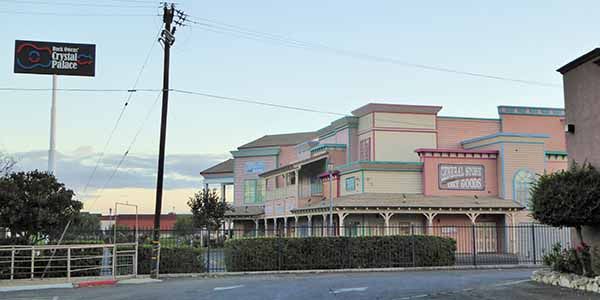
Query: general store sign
{"type": "Point", "coordinates": [34, 57]}
{"type": "Point", "coordinates": [461, 177]}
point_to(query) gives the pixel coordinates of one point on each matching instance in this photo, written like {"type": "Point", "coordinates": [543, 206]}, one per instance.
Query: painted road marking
{"type": "Point", "coordinates": [348, 290]}
{"type": "Point", "coordinates": [508, 283]}
{"type": "Point", "coordinates": [513, 282]}
{"type": "Point", "coordinates": [224, 288]}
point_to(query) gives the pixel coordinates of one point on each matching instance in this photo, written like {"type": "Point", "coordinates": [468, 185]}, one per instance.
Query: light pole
{"type": "Point", "coordinates": [330, 170]}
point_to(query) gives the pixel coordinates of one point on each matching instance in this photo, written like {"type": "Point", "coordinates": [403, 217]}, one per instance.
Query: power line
{"type": "Point", "coordinates": [75, 4]}
{"type": "Point", "coordinates": [213, 96]}
{"type": "Point", "coordinates": [32, 13]}
{"type": "Point", "coordinates": [124, 156]}
{"type": "Point", "coordinates": [249, 101]}
{"type": "Point", "coordinates": [83, 90]}
{"type": "Point", "coordinates": [225, 28]}
{"type": "Point", "coordinates": [118, 121]}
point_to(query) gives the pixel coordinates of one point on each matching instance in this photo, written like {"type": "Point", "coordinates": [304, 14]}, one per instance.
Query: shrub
{"type": "Point", "coordinates": [563, 260]}
{"type": "Point", "coordinates": [262, 254]}
{"type": "Point", "coordinates": [172, 260]}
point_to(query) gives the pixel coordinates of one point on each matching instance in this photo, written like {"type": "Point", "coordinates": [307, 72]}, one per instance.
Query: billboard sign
{"type": "Point", "coordinates": [34, 57]}
{"type": "Point", "coordinates": [461, 177]}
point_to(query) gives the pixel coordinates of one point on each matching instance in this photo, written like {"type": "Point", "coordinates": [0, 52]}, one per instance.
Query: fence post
{"type": "Point", "coordinates": [12, 263]}
{"type": "Point", "coordinates": [32, 262]}
{"type": "Point", "coordinates": [114, 260]}
{"type": "Point", "coordinates": [208, 250]}
{"type": "Point", "coordinates": [135, 258]}
{"type": "Point", "coordinates": [413, 240]}
{"type": "Point", "coordinates": [69, 264]}
{"type": "Point", "coordinates": [474, 241]}
{"type": "Point", "coordinates": [533, 243]}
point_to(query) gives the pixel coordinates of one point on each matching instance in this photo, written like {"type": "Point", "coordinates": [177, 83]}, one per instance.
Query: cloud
{"type": "Point", "coordinates": [137, 171]}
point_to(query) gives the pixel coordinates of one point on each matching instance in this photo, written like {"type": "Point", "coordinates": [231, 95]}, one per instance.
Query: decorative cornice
{"type": "Point", "coordinates": [325, 147]}
{"type": "Point", "coordinates": [531, 111]}
{"type": "Point", "coordinates": [505, 134]}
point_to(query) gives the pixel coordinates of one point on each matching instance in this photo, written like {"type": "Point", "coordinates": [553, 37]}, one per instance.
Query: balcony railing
{"type": "Point", "coordinates": [288, 191]}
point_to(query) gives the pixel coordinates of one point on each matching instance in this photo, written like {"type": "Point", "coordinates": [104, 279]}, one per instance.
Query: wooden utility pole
{"type": "Point", "coordinates": [167, 39]}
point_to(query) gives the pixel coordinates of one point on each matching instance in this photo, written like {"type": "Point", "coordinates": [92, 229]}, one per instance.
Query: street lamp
{"type": "Point", "coordinates": [330, 171]}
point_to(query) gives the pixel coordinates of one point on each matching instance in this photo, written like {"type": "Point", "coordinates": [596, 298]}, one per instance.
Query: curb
{"type": "Point", "coordinates": [97, 283]}
{"type": "Point", "coordinates": [333, 271]}
{"type": "Point", "coordinates": [36, 287]}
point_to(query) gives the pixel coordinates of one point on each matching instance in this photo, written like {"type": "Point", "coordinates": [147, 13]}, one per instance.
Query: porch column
{"type": "Point", "coordinates": [430, 216]}
{"type": "Point", "coordinates": [266, 227]}
{"type": "Point", "coordinates": [309, 225]}
{"type": "Point", "coordinates": [285, 226]}
{"type": "Point", "coordinates": [256, 228]}
{"type": "Point", "coordinates": [297, 174]}
{"type": "Point", "coordinates": [513, 232]}
{"type": "Point", "coordinates": [341, 217]}
{"type": "Point", "coordinates": [386, 218]}
{"type": "Point", "coordinates": [295, 226]}
{"type": "Point", "coordinates": [275, 227]}
{"type": "Point", "coordinates": [223, 189]}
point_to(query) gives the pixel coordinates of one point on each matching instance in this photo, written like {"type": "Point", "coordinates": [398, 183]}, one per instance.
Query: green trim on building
{"type": "Point", "coordinates": [348, 151]}
{"type": "Point", "coordinates": [379, 169]}
{"type": "Point", "coordinates": [560, 153]}
{"type": "Point", "coordinates": [327, 147]}
{"type": "Point", "coordinates": [531, 111]}
{"type": "Point", "coordinates": [377, 162]}
{"type": "Point", "coordinates": [362, 180]}
{"type": "Point", "coordinates": [256, 152]}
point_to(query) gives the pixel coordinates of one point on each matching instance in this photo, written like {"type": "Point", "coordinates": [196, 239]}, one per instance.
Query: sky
{"type": "Point", "coordinates": [511, 39]}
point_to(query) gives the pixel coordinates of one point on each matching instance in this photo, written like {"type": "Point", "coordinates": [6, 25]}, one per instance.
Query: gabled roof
{"type": "Point", "coordinates": [280, 140]}
{"type": "Point", "coordinates": [579, 61]}
{"type": "Point", "coordinates": [222, 167]}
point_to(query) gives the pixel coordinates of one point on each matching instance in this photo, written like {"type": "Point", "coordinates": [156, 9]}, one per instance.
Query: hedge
{"type": "Point", "coordinates": [172, 260]}
{"type": "Point", "coordinates": [264, 254]}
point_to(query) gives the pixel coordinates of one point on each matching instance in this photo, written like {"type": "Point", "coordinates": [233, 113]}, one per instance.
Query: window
{"type": "Point", "coordinates": [350, 184]}
{"type": "Point", "coordinates": [365, 149]}
{"type": "Point", "coordinates": [523, 180]}
{"type": "Point", "coordinates": [254, 191]}
{"type": "Point", "coordinates": [316, 187]}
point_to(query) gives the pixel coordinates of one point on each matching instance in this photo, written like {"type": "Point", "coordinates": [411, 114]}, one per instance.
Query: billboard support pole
{"type": "Point", "coordinates": [52, 150]}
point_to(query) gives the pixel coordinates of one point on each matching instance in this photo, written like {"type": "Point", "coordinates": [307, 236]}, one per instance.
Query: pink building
{"type": "Point", "coordinates": [395, 166]}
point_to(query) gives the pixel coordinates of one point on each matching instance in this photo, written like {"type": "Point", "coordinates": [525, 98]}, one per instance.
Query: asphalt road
{"type": "Point", "coordinates": [483, 284]}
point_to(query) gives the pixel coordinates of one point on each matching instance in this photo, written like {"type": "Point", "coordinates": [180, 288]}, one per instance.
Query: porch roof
{"type": "Point", "coordinates": [295, 165]}
{"type": "Point", "coordinates": [220, 168]}
{"type": "Point", "coordinates": [245, 211]}
{"type": "Point", "coordinates": [413, 201]}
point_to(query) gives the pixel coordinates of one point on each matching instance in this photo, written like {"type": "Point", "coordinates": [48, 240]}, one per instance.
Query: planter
{"type": "Point", "coordinates": [572, 281]}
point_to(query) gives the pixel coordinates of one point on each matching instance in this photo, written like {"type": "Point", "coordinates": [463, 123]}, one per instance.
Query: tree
{"type": "Point", "coordinates": [34, 206]}
{"type": "Point", "coordinates": [208, 209]}
{"type": "Point", "coordinates": [568, 198]}
{"type": "Point", "coordinates": [86, 223]}
{"type": "Point", "coordinates": [184, 225]}
{"type": "Point", "coordinates": [6, 163]}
